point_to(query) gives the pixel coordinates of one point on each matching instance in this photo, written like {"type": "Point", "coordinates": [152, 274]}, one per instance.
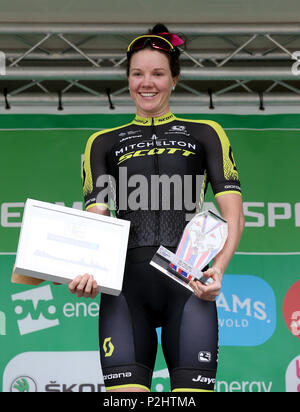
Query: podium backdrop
{"type": "Point", "coordinates": [49, 338]}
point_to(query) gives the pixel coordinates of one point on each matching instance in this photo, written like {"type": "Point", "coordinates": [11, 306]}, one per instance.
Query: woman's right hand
{"type": "Point", "coordinates": [85, 286]}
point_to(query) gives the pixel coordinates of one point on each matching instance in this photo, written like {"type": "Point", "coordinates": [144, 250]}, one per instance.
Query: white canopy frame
{"type": "Point", "coordinates": [237, 55]}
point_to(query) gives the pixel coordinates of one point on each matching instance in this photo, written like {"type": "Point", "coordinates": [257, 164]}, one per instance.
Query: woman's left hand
{"type": "Point", "coordinates": [208, 292]}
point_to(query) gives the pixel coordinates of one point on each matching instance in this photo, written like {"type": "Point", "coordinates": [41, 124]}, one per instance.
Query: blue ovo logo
{"type": "Point", "coordinates": [246, 311]}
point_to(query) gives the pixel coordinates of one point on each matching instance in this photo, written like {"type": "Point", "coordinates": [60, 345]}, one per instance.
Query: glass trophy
{"type": "Point", "coordinates": [203, 238]}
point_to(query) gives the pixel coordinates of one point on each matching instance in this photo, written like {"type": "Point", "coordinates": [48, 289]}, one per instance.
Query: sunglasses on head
{"type": "Point", "coordinates": [157, 42]}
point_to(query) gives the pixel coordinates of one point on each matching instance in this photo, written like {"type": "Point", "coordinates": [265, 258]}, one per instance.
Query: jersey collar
{"type": "Point", "coordinates": [148, 121]}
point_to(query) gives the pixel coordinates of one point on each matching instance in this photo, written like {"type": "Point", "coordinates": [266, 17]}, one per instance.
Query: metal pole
{"type": "Point", "coordinates": [231, 73]}
{"type": "Point", "coordinates": [120, 54]}
{"type": "Point", "coordinates": [84, 99]}
{"type": "Point", "coordinates": [133, 29]}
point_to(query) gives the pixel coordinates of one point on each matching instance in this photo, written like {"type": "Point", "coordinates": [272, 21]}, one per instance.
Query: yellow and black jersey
{"type": "Point", "coordinates": [155, 171]}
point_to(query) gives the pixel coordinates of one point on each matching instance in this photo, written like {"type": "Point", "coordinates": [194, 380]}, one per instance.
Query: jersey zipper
{"type": "Point", "coordinates": [156, 168]}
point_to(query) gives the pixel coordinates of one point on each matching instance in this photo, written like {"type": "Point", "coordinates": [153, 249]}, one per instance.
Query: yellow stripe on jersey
{"type": "Point", "coordinates": [229, 166]}
{"type": "Point", "coordinates": [88, 181]}
{"type": "Point", "coordinates": [103, 205]}
{"type": "Point", "coordinates": [127, 386]}
{"type": "Point", "coordinates": [227, 192]}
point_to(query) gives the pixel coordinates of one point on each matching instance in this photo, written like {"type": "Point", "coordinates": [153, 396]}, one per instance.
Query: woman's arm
{"type": "Point", "coordinates": [231, 208]}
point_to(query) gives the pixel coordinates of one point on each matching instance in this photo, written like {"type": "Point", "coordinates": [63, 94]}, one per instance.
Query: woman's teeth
{"type": "Point", "coordinates": [148, 94]}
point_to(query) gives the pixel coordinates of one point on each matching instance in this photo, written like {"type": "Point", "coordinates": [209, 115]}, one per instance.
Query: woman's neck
{"type": "Point", "coordinates": [143, 114]}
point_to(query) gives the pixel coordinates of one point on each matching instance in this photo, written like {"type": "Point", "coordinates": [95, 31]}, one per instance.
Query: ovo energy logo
{"type": "Point", "coordinates": [35, 310]}
{"type": "Point", "coordinates": [2, 64]}
{"type": "Point", "coordinates": [108, 347]}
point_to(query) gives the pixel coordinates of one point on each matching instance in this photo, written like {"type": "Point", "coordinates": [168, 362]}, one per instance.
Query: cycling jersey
{"type": "Point", "coordinates": [156, 172]}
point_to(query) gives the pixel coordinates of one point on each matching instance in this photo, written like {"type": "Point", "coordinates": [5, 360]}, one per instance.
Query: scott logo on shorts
{"type": "Point", "coordinates": [108, 347]}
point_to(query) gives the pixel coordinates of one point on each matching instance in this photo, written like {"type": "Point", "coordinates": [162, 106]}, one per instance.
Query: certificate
{"type": "Point", "coordinates": [58, 243]}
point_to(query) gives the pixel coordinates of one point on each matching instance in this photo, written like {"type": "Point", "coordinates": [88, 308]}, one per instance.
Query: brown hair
{"type": "Point", "coordinates": [172, 57]}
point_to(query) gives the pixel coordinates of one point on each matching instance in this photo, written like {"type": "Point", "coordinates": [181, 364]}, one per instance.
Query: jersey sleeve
{"type": "Point", "coordinates": [94, 172]}
{"type": "Point", "coordinates": [221, 167]}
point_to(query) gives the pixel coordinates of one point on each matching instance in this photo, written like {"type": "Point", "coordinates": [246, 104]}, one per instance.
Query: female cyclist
{"type": "Point", "coordinates": [155, 144]}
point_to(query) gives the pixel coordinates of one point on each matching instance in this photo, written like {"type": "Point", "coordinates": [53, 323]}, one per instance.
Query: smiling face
{"type": "Point", "coordinates": [150, 82]}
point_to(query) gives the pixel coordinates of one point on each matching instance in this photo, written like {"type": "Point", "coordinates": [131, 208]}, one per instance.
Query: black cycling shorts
{"type": "Point", "coordinates": [127, 330]}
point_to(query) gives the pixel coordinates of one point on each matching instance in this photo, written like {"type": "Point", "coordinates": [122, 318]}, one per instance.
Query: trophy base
{"type": "Point", "coordinates": [169, 264]}
{"type": "Point", "coordinates": [163, 266]}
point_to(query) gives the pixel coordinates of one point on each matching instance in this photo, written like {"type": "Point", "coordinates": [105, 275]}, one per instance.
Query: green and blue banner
{"type": "Point", "coordinates": [49, 338]}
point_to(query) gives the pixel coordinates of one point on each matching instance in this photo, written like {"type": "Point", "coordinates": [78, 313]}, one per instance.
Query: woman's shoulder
{"type": "Point", "coordinates": [101, 134]}
{"type": "Point", "coordinates": [196, 121]}
{"type": "Point", "coordinates": [204, 126]}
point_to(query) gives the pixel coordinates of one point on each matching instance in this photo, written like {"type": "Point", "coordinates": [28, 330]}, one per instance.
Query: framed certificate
{"type": "Point", "coordinates": [58, 243]}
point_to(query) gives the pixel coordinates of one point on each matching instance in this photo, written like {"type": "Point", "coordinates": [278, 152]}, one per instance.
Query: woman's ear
{"type": "Point", "coordinates": [175, 80]}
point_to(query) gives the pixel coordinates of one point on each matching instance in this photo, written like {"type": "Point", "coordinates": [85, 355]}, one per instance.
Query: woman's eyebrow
{"type": "Point", "coordinates": [155, 68]}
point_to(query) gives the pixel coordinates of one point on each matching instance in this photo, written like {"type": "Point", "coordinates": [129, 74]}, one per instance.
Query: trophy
{"type": "Point", "coordinates": [203, 238]}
